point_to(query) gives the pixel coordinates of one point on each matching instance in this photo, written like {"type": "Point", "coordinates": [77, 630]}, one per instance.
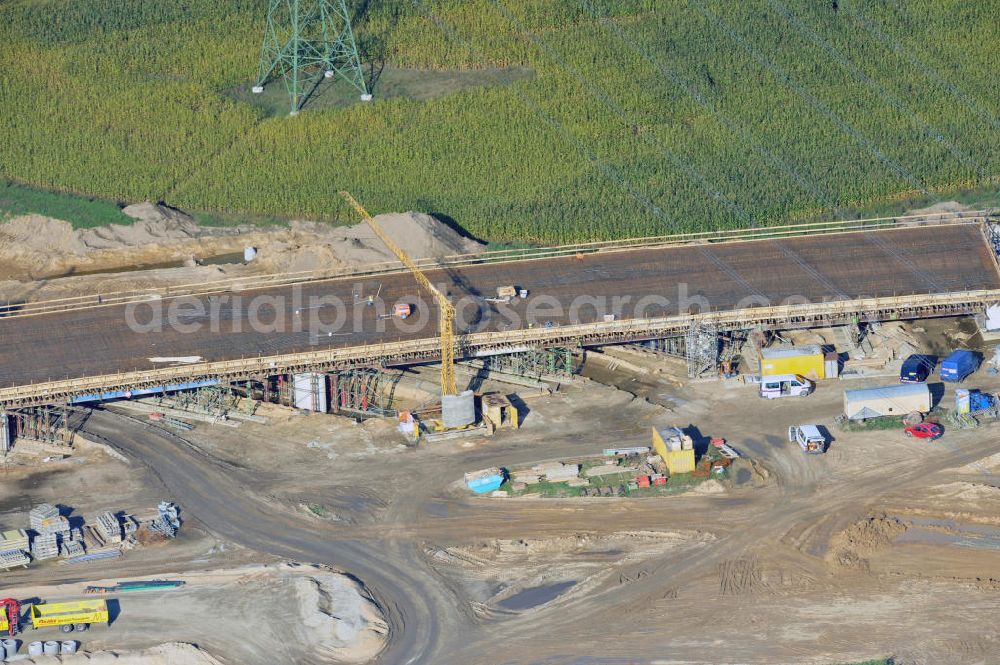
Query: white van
{"type": "Point", "coordinates": [809, 438]}
{"type": "Point", "coordinates": [785, 385]}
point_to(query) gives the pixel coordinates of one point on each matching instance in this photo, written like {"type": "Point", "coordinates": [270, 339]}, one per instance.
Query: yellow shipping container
{"type": "Point", "coordinates": [805, 361]}
{"type": "Point", "coordinates": [675, 448]}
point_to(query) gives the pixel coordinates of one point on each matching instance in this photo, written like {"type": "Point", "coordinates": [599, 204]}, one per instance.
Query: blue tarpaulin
{"type": "Point", "coordinates": [139, 392]}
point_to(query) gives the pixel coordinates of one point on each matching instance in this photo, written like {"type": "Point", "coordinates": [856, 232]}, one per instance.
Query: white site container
{"type": "Point", "coordinates": [897, 400]}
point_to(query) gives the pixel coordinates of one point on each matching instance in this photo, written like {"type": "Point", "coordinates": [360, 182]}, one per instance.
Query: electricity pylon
{"type": "Point", "coordinates": [305, 39]}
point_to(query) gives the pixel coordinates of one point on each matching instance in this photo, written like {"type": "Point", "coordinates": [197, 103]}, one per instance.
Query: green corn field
{"type": "Point", "coordinates": [628, 117]}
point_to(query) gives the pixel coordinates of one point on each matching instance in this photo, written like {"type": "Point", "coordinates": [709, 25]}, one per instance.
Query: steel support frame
{"type": "Point", "coordinates": [45, 423]}
{"type": "Point", "coordinates": [535, 363]}
{"type": "Point", "coordinates": [701, 344]}
{"type": "Point", "coordinates": [303, 35]}
{"type": "Point", "coordinates": [362, 391]}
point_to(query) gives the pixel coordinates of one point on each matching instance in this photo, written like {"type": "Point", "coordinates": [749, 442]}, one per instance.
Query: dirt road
{"type": "Point", "coordinates": [221, 498]}
{"type": "Point", "coordinates": [771, 548]}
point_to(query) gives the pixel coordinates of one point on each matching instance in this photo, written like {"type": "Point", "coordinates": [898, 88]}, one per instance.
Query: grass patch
{"type": "Point", "coordinates": [391, 83]}
{"type": "Point", "coordinates": [889, 422]}
{"type": "Point", "coordinates": [872, 424]}
{"type": "Point", "coordinates": [87, 212]}
{"type": "Point", "coordinates": [80, 211]}
{"type": "Point", "coordinates": [319, 511]}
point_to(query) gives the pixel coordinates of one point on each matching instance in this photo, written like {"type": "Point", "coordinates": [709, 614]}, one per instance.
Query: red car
{"type": "Point", "coordinates": [925, 430]}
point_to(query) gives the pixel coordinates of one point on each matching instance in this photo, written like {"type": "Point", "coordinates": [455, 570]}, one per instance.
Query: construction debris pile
{"type": "Point", "coordinates": [53, 535]}
{"type": "Point", "coordinates": [216, 405]}
{"type": "Point", "coordinates": [667, 466]}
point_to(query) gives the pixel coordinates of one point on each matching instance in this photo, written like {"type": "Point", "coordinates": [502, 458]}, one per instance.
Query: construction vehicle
{"type": "Point", "coordinates": [446, 311]}
{"type": "Point", "coordinates": [809, 438]}
{"type": "Point", "coordinates": [69, 616]}
{"type": "Point", "coordinates": [960, 364]}
{"type": "Point", "coordinates": [505, 294]}
{"type": "Point", "coordinates": [10, 621]}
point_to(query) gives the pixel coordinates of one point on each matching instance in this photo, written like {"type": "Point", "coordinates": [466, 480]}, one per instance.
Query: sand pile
{"type": "Point", "coordinates": [312, 246]}
{"type": "Point", "coordinates": [154, 224]}
{"type": "Point", "coordinates": [344, 620]}
{"type": "Point", "coordinates": [33, 247]}
{"type": "Point", "coordinates": [37, 247]}
{"type": "Point", "coordinates": [873, 533]}
{"type": "Point", "coordinates": [940, 207]}
{"type": "Point", "coordinates": [969, 491]}
{"type": "Point", "coordinates": [32, 233]}
{"type": "Point", "coordinates": [157, 213]}
{"type": "Point", "coordinates": [28, 234]}
{"type": "Point", "coordinates": [862, 539]}
{"type": "Point", "coordinates": [174, 653]}
{"type": "Point", "coordinates": [710, 486]}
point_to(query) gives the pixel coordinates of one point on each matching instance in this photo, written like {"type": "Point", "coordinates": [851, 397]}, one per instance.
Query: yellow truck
{"type": "Point", "coordinates": [69, 616]}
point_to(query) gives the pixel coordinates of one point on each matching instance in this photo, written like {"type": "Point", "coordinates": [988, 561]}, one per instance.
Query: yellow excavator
{"type": "Point", "coordinates": [446, 319]}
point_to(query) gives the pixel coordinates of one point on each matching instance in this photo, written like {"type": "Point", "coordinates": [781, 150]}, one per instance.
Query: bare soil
{"type": "Point", "coordinates": [43, 258]}
{"type": "Point", "coordinates": [279, 613]}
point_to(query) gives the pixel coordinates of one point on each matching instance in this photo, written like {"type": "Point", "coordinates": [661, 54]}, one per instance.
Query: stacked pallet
{"type": "Point", "coordinates": [13, 559]}
{"type": "Point", "coordinates": [46, 520]}
{"type": "Point", "coordinates": [45, 546]}
{"type": "Point", "coordinates": [109, 527]}
{"type": "Point", "coordinates": [15, 540]}
{"type": "Point", "coordinates": [42, 517]}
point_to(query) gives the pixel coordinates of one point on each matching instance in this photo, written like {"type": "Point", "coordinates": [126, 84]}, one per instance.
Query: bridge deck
{"type": "Point", "coordinates": [716, 277]}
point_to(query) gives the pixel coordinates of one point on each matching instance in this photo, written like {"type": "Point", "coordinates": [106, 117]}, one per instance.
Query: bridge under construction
{"type": "Point", "coordinates": [55, 352]}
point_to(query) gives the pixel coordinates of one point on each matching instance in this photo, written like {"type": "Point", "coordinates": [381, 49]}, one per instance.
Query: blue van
{"type": "Point", "coordinates": [917, 368]}
{"type": "Point", "coordinates": [960, 364]}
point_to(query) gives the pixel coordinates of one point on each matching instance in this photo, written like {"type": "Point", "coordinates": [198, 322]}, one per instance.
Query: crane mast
{"type": "Point", "coordinates": [446, 317]}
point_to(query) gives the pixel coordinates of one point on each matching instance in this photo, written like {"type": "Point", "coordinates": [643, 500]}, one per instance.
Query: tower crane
{"type": "Point", "coordinates": [446, 316]}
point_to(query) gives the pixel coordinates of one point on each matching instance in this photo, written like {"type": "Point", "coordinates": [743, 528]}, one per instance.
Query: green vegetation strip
{"type": "Point", "coordinates": [83, 212]}
{"type": "Point", "coordinates": [529, 121]}
{"type": "Point", "coordinates": [873, 424]}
